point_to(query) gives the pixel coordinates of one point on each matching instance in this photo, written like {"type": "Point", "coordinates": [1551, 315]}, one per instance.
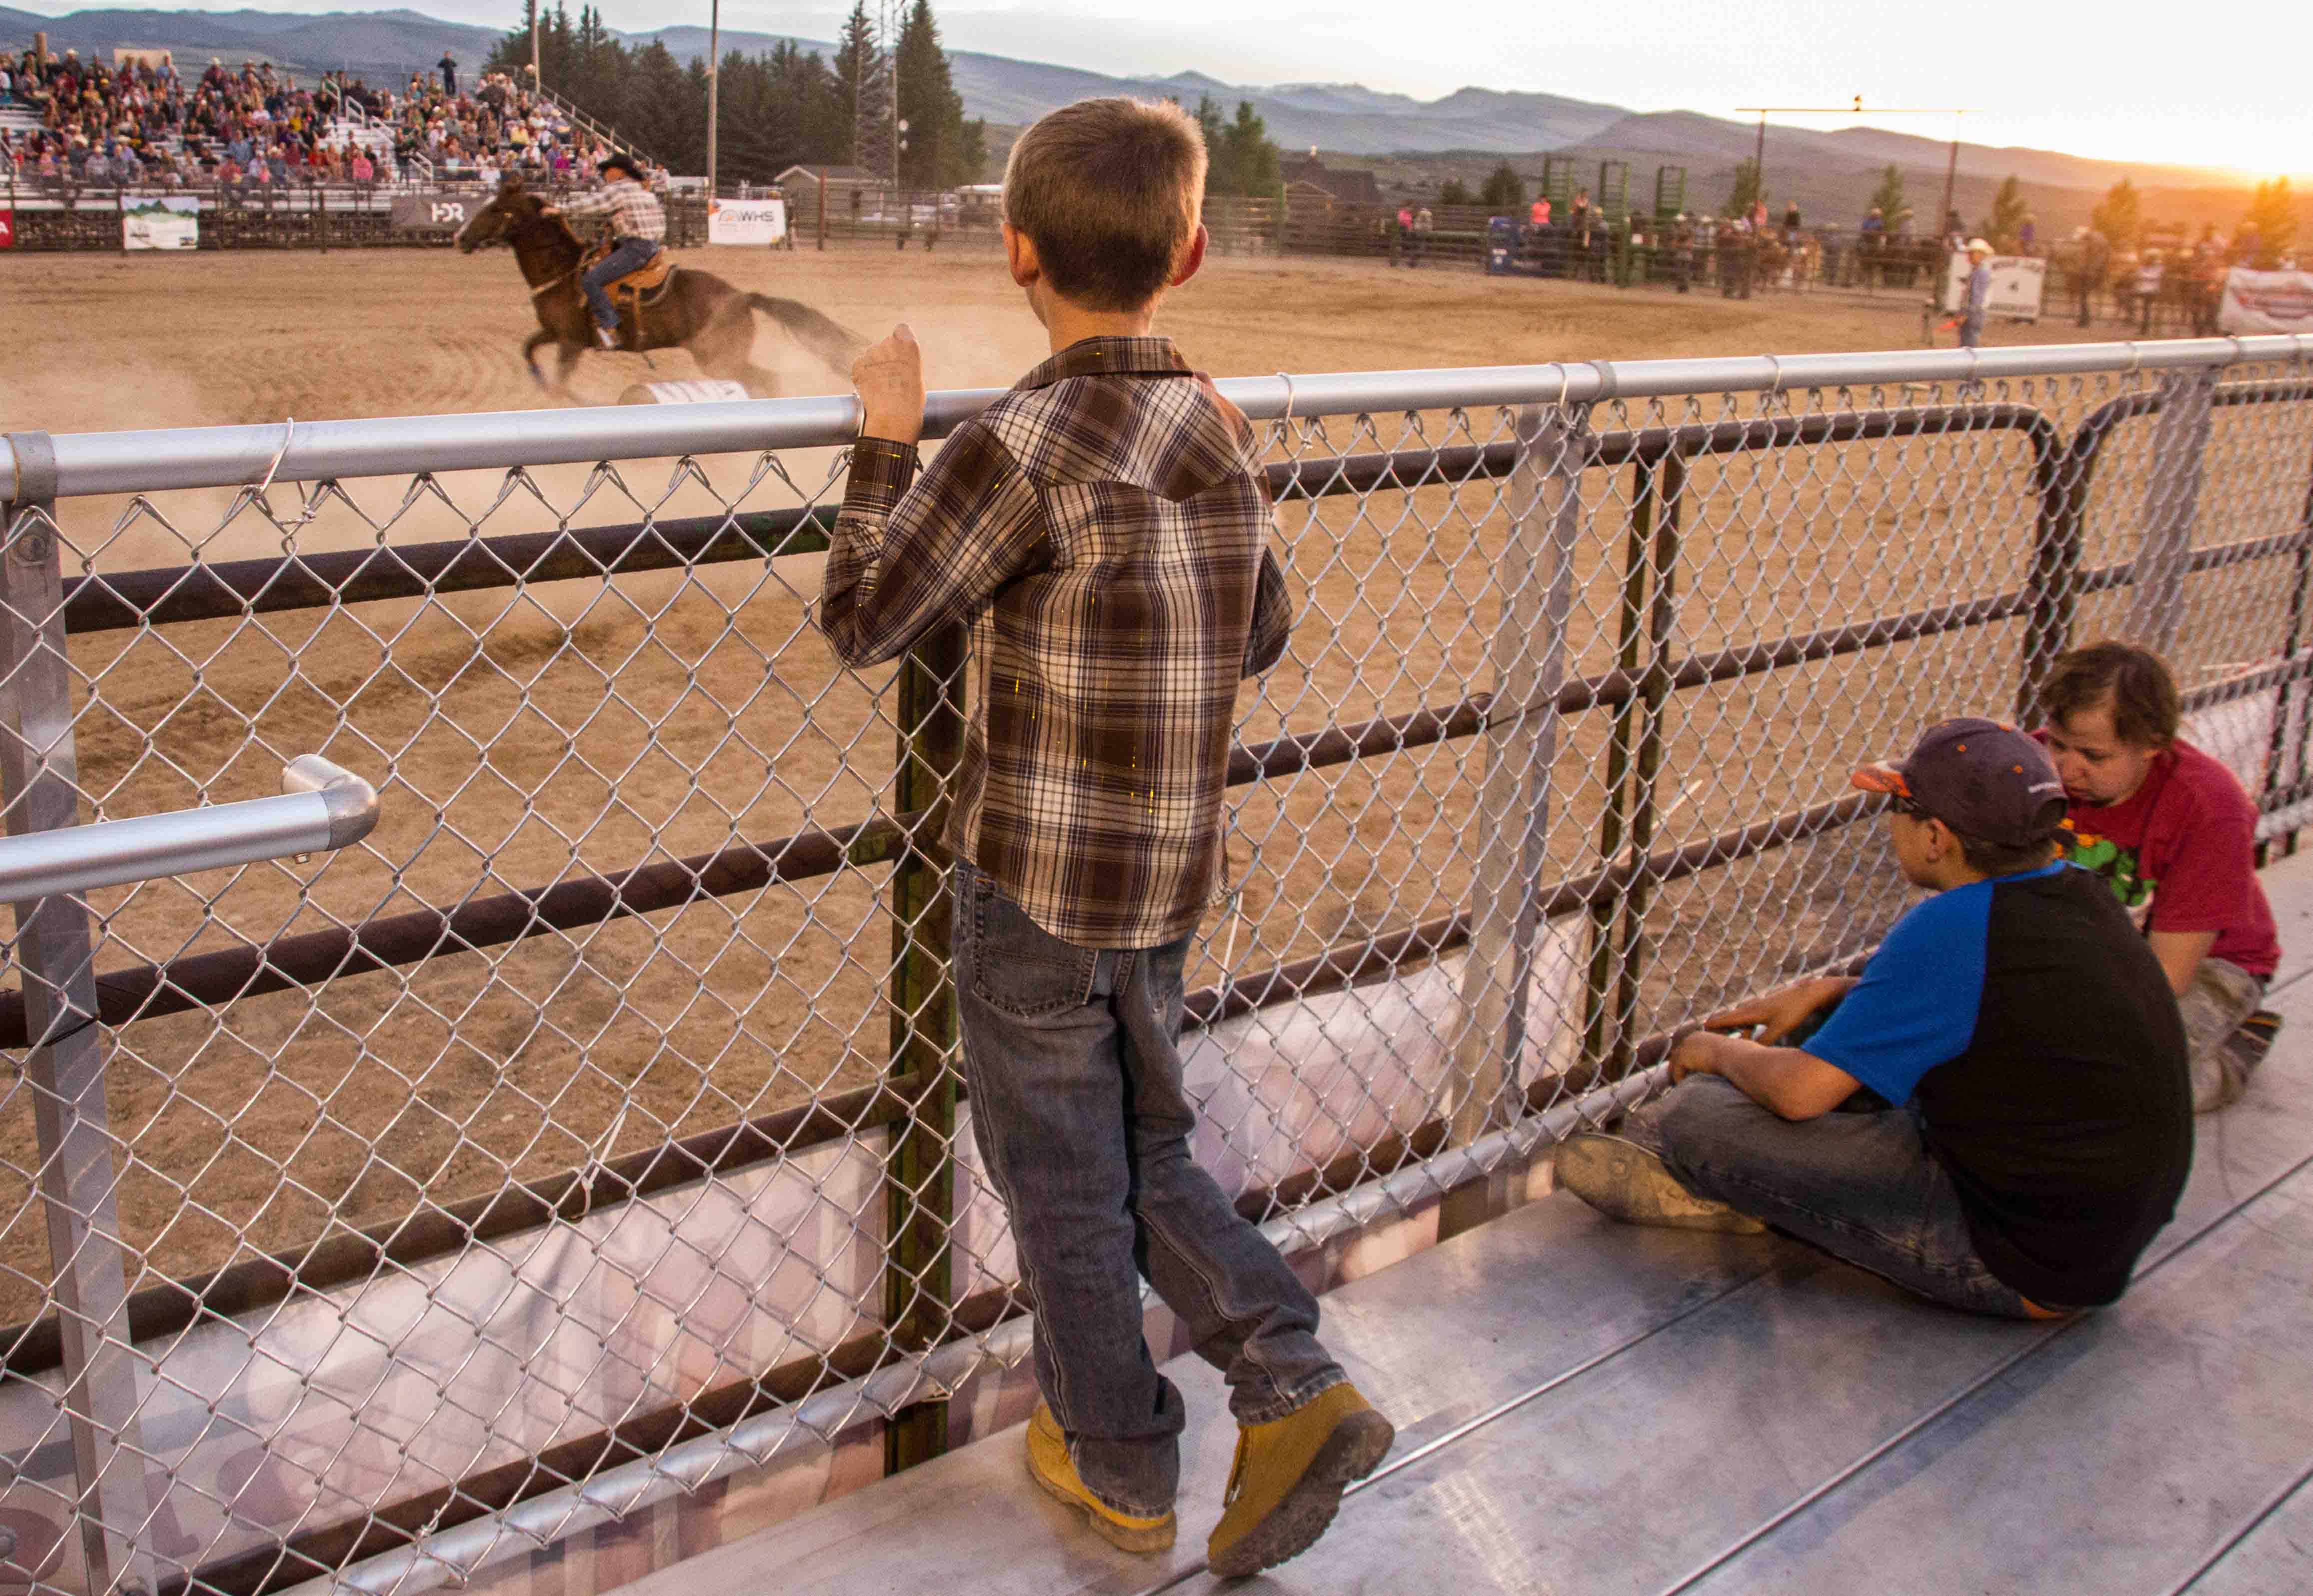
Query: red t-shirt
{"type": "Point", "coordinates": [2181, 855]}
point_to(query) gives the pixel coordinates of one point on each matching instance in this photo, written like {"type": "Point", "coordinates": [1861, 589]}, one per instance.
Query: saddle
{"type": "Point", "coordinates": [643, 286]}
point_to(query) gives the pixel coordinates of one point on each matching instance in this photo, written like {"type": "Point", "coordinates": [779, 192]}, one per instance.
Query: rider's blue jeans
{"type": "Point", "coordinates": [626, 255]}
{"type": "Point", "coordinates": [1083, 1120]}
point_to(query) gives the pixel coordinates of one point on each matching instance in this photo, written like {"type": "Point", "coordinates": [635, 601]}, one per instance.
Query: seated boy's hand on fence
{"type": "Point", "coordinates": [890, 380]}
{"type": "Point", "coordinates": [1779, 1012]}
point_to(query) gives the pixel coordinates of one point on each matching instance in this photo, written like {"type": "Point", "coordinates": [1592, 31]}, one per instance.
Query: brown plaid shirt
{"type": "Point", "coordinates": [1102, 529]}
{"type": "Point", "coordinates": [634, 210]}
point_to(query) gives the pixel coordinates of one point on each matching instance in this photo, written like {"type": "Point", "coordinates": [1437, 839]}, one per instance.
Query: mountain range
{"type": "Point", "coordinates": [1342, 118]}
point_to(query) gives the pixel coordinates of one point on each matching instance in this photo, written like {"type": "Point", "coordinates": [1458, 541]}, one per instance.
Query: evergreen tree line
{"type": "Point", "coordinates": [785, 106]}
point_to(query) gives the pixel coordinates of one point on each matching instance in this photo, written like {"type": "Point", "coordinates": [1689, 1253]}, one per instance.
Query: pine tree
{"type": "Point", "coordinates": [805, 80]}
{"type": "Point", "coordinates": [1259, 170]}
{"type": "Point", "coordinates": [2273, 212]}
{"type": "Point", "coordinates": [1240, 157]}
{"type": "Point", "coordinates": [1888, 197]}
{"type": "Point", "coordinates": [859, 68]}
{"type": "Point", "coordinates": [1745, 191]}
{"type": "Point", "coordinates": [1453, 191]}
{"type": "Point", "coordinates": [2119, 214]}
{"type": "Point", "coordinates": [1504, 192]}
{"type": "Point", "coordinates": [662, 111]}
{"type": "Point", "coordinates": [2003, 229]}
{"type": "Point", "coordinates": [937, 152]}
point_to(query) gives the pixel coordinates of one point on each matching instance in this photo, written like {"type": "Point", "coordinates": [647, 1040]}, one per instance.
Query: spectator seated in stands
{"type": "Point", "coordinates": [2170, 829]}
{"type": "Point", "coordinates": [1995, 1115]}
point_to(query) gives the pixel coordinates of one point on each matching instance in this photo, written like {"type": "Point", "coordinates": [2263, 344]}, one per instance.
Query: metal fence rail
{"type": "Point", "coordinates": [587, 1133]}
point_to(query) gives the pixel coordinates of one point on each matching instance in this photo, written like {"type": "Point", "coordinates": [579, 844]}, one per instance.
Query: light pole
{"type": "Point", "coordinates": [1951, 168]}
{"type": "Point", "coordinates": [894, 24]}
{"type": "Point", "coordinates": [714, 89]}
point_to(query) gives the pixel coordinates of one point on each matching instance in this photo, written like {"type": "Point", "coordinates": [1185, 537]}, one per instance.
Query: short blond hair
{"type": "Point", "coordinates": [1109, 192]}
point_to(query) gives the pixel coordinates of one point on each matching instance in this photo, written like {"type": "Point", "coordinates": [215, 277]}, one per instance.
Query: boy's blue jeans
{"type": "Point", "coordinates": [1069, 1054]}
{"type": "Point", "coordinates": [1860, 1185]}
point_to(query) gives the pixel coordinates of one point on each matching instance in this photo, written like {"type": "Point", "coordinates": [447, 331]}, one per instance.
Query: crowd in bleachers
{"type": "Point", "coordinates": [254, 130]}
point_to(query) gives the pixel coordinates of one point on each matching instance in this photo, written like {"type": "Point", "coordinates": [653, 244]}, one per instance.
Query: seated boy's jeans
{"type": "Point", "coordinates": [1078, 1104]}
{"type": "Point", "coordinates": [1860, 1185]}
{"type": "Point", "coordinates": [2222, 995]}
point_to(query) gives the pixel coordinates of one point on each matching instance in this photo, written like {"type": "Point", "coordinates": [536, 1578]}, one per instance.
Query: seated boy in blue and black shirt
{"type": "Point", "coordinates": [2041, 1126]}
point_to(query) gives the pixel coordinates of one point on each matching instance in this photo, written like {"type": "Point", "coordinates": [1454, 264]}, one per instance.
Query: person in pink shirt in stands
{"type": "Point", "coordinates": [2172, 831]}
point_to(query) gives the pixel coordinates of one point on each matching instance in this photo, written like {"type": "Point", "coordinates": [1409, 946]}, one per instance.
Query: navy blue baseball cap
{"type": "Point", "coordinates": [1978, 776]}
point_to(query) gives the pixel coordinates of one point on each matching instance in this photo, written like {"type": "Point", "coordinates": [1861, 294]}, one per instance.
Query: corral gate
{"type": "Point", "coordinates": [583, 1142]}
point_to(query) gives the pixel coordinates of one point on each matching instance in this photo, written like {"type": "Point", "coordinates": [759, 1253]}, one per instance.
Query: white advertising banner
{"type": "Point", "coordinates": [746, 221]}
{"type": "Point", "coordinates": [2017, 282]}
{"type": "Point", "coordinates": [161, 222]}
{"type": "Point", "coordinates": [2266, 301]}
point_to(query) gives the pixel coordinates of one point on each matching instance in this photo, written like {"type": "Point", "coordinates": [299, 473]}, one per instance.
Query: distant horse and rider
{"type": "Point", "coordinates": [658, 305]}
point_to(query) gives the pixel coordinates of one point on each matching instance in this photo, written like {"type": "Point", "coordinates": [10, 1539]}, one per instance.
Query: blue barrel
{"type": "Point", "coordinates": [1501, 245]}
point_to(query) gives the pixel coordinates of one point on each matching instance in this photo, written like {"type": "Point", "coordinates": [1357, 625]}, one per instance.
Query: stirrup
{"type": "Point", "coordinates": [605, 336]}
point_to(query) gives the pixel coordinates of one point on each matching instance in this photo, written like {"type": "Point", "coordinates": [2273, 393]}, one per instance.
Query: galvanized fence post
{"type": "Point", "coordinates": [919, 1164]}
{"type": "Point", "coordinates": [1529, 660]}
{"type": "Point", "coordinates": [2291, 700]}
{"type": "Point", "coordinates": [2172, 503]}
{"type": "Point", "coordinates": [65, 1063]}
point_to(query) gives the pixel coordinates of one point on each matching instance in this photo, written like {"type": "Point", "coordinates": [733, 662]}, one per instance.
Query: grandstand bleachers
{"type": "Point", "coordinates": [76, 124]}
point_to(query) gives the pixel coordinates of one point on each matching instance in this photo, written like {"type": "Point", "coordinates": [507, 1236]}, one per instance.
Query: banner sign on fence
{"type": "Point", "coordinates": [161, 222]}
{"type": "Point", "coordinates": [434, 213]}
{"type": "Point", "coordinates": [7, 228]}
{"type": "Point", "coordinates": [2017, 282]}
{"type": "Point", "coordinates": [746, 221]}
{"type": "Point", "coordinates": [2266, 301]}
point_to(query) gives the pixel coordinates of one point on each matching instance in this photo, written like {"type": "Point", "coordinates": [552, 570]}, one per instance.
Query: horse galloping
{"type": "Point", "coordinates": [696, 311]}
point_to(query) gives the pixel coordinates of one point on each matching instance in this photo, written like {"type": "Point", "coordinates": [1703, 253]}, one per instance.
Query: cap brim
{"type": "Point", "coordinates": [1881, 777]}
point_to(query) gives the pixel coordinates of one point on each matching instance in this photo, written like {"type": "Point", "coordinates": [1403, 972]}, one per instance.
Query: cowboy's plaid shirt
{"type": "Point", "coordinates": [634, 210]}
{"type": "Point", "coordinates": [1102, 530]}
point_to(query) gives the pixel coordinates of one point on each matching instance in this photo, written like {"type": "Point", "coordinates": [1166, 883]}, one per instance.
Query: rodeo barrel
{"type": "Point", "coordinates": [692, 390]}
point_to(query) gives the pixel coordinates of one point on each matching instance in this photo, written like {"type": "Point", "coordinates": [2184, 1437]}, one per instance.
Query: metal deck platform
{"type": "Point", "coordinates": [1586, 1408]}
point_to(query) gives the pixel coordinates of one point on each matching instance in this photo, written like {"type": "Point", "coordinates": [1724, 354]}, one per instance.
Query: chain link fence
{"type": "Point", "coordinates": [588, 1132]}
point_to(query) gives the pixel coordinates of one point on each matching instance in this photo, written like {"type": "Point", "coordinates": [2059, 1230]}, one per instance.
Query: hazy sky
{"type": "Point", "coordinates": [2123, 79]}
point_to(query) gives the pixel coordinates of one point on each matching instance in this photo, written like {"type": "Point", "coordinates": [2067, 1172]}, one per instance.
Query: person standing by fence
{"type": "Point", "coordinates": [1422, 224]}
{"type": "Point", "coordinates": [1975, 296]}
{"type": "Point", "coordinates": [1103, 532]}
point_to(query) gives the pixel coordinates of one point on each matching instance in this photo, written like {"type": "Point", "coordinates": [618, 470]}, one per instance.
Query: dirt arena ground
{"type": "Point", "coordinates": [524, 737]}
{"type": "Point", "coordinates": [156, 341]}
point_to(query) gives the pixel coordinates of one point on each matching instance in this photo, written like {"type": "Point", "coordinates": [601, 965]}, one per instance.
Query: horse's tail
{"type": "Point", "coordinates": [835, 345]}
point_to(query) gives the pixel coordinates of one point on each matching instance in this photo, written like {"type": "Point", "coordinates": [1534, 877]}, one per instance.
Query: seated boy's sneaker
{"type": "Point", "coordinates": [1287, 1482]}
{"type": "Point", "coordinates": [2253, 1040]}
{"type": "Point", "coordinates": [1051, 1466]}
{"type": "Point", "coordinates": [1625, 1180]}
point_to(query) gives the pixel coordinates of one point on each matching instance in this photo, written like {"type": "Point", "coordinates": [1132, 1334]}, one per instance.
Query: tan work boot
{"type": "Point", "coordinates": [1050, 1465]}
{"type": "Point", "coordinates": [1627, 1181]}
{"type": "Point", "coordinates": [1286, 1484]}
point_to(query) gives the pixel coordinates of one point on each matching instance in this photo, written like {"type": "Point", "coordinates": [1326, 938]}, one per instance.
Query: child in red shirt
{"type": "Point", "coordinates": [2172, 831]}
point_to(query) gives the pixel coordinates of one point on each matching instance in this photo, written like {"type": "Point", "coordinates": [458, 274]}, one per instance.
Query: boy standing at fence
{"type": "Point", "coordinates": [2040, 1129]}
{"type": "Point", "coordinates": [2170, 829]}
{"type": "Point", "coordinates": [1102, 528]}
